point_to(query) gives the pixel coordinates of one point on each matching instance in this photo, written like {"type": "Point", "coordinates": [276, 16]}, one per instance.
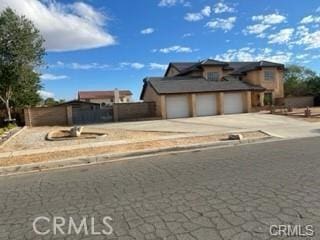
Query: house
{"type": "Point", "coordinates": [77, 104]}
{"type": "Point", "coordinates": [213, 87]}
{"type": "Point", "coordinates": [105, 98]}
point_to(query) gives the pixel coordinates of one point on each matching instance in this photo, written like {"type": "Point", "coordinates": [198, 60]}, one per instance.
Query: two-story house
{"type": "Point", "coordinates": [105, 98]}
{"type": "Point", "coordinates": [211, 87]}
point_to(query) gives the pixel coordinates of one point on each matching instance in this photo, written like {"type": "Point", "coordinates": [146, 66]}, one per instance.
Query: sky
{"type": "Point", "coordinates": [108, 44]}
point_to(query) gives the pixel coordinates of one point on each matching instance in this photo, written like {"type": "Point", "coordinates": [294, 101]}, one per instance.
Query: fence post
{"type": "Point", "coordinates": [115, 112]}
{"type": "Point", "coordinates": [27, 117]}
{"type": "Point", "coordinates": [69, 115]}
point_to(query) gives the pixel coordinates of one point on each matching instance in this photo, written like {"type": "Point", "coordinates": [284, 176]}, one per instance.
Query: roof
{"type": "Point", "coordinates": [237, 67]}
{"type": "Point", "coordinates": [77, 102]}
{"type": "Point", "coordinates": [102, 94]}
{"type": "Point", "coordinates": [170, 85]}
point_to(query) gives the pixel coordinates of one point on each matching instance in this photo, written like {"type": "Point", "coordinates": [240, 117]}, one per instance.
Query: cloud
{"type": "Point", "coordinates": [49, 76]}
{"type": "Point", "coordinates": [87, 66]}
{"type": "Point", "coordinates": [65, 27]}
{"type": "Point", "coordinates": [222, 8]}
{"type": "Point", "coordinates": [309, 39]}
{"type": "Point", "coordinates": [256, 29]}
{"type": "Point", "coordinates": [271, 19]}
{"type": "Point", "coordinates": [157, 66]}
{"type": "Point", "coordinates": [310, 19]}
{"type": "Point", "coordinates": [252, 54]}
{"type": "Point", "coordinates": [170, 3]}
{"type": "Point", "coordinates": [193, 17]}
{"type": "Point", "coordinates": [224, 24]}
{"type": "Point", "coordinates": [264, 23]}
{"type": "Point", "coordinates": [147, 31]}
{"type": "Point", "coordinates": [187, 35]}
{"type": "Point", "coordinates": [45, 94]}
{"type": "Point", "coordinates": [134, 65]}
{"type": "Point", "coordinates": [283, 36]}
{"type": "Point", "coordinates": [176, 49]}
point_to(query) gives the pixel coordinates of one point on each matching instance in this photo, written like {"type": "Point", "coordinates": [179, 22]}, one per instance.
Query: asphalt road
{"type": "Point", "coordinates": [228, 193]}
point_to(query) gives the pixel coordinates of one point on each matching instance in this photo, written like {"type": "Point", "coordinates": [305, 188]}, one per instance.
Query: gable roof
{"type": "Point", "coordinates": [171, 85]}
{"type": "Point", "coordinates": [237, 67]}
{"type": "Point", "coordinates": [102, 94]}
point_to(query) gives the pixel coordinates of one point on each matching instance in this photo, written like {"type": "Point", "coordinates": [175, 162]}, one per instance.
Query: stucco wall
{"type": "Point", "coordinates": [275, 86]}
{"type": "Point", "coordinates": [151, 96]}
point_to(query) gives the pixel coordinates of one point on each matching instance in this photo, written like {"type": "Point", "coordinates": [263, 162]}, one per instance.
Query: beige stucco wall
{"type": "Point", "coordinates": [151, 96]}
{"type": "Point", "coordinates": [275, 86]}
{"type": "Point", "coordinates": [172, 72]}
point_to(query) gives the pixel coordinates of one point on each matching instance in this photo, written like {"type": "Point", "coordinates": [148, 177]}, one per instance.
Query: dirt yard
{"type": "Point", "coordinates": [122, 148]}
{"type": "Point", "coordinates": [35, 138]}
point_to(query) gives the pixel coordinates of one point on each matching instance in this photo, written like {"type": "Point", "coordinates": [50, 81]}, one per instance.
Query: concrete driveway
{"type": "Point", "coordinates": [282, 126]}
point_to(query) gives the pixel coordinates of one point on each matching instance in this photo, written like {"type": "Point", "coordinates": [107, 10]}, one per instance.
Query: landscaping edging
{"type": "Point", "coordinates": [10, 137]}
{"type": "Point", "coordinates": [108, 158]}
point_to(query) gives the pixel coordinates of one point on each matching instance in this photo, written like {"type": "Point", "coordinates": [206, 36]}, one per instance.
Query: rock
{"type": "Point", "coordinates": [235, 137]}
{"type": "Point", "coordinates": [76, 131]}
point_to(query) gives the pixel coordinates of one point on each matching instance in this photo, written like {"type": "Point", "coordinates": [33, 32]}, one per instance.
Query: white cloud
{"type": "Point", "coordinates": [206, 11]}
{"type": "Point", "coordinates": [187, 35]}
{"type": "Point", "coordinates": [310, 19]}
{"type": "Point", "coordinates": [157, 66]}
{"type": "Point", "coordinates": [224, 24]}
{"type": "Point", "coordinates": [222, 8]}
{"type": "Point", "coordinates": [193, 17]}
{"type": "Point", "coordinates": [170, 3]}
{"type": "Point", "coordinates": [134, 65]}
{"type": "Point", "coordinates": [49, 76]}
{"type": "Point", "coordinates": [87, 66]}
{"type": "Point", "coordinates": [302, 56]}
{"type": "Point", "coordinates": [271, 19]}
{"type": "Point", "coordinates": [252, 54]}
{"type": "Point", "coordinates": [65, 27]}
{"type": "Point", "coordinates": [309, 39]}
{"type": "Point", "coordinates": [283, 36]}
{"type": "Point", "coordinates": [147, 31]}
{"type": "Point", "coordinates": [256, 29]}
{"type": "Point", "coordinates": [176, 48]}
{"type": "Point", "coordinates": [45, 94]}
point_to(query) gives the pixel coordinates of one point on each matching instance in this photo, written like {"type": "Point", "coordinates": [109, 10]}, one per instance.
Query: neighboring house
{"type": "Point", "coordinates": [77, 104]}
{"type": "Point", "coordinates": [213, 87]}
{"type": "Point", "coordinates": [105, 98]}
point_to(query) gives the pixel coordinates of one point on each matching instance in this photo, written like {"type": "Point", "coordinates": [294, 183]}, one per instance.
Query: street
{"type": "Point", "coordinates": [225, 193]}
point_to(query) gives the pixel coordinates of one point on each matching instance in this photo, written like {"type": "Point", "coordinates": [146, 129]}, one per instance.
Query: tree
{"type": "Point", "coordinates": [21, 51]}
{"type": "Point", "coordinates": [296, 80]}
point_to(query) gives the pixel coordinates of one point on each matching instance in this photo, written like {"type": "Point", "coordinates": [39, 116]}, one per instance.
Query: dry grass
{"type": "Point", "coordinates": [122, 148]}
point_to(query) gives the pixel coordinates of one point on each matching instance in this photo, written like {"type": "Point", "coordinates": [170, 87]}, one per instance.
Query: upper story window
{"type": "Point", "coordinates": [268, 75]}
{"type": "Point", "coordinates": [213, 76]}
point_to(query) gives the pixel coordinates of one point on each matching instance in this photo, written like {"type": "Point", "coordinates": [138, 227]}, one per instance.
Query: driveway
{"type": "Point", "coordinates": [227, 193]}
{"type": "Point", "coordinates": [277, 125]}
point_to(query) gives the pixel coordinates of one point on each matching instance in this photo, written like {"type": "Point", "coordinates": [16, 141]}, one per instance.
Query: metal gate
{"type": "Point", "coordinates": [90, 116]}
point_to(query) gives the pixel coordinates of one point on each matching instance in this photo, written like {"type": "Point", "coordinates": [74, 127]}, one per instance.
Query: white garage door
{"type": "Point", "coordinates": [177, 106]}
{"type": "Point", "coordinates": [233, 103]}
{"type": "Point", "coordinates": [206, 105]}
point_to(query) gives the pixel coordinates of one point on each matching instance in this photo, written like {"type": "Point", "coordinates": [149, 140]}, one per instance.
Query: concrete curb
{"type": "Point", "coordinates": [12, 137]}
{"type": "Point", "coordinates": [105, 158]}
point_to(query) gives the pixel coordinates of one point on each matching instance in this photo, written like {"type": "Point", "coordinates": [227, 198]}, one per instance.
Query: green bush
{"type": "Point", "coordinates": [8, 127]}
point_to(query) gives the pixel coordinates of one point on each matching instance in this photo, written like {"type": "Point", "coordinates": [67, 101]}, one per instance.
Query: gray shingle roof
{"type": "Point", "coordinates": [237, 67]}
{"type": "Point", "coordinates": [169, 85]}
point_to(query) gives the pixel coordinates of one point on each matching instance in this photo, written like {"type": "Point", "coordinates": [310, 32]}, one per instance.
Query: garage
{"type": "Point", "coordinates": [177, 106]}
{"type": "Point", "coordinates": [206, 104]}
{"type": "Point", "coordinates": [233, 103]}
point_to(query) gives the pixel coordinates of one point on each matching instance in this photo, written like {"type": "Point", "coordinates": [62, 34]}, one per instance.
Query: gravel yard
{"type": "Point", "coordinates": [35, 138]}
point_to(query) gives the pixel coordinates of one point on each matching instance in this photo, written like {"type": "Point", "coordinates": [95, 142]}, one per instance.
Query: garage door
{"type": "Point", "coordinates": [177, 106]}
{"type": "Point", "coordinates": [206, 105]}
{"type": "Point", "coordinates": [233, 103]}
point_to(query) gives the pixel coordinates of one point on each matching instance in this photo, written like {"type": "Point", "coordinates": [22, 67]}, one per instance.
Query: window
{"type": "Point", "coordinates": [268, 75]}
{"type": "Point", "coordinates": [213, 76]}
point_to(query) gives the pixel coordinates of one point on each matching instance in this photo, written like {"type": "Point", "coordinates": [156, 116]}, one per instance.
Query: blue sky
{"type": "Point", "coordinates": [104, 44]}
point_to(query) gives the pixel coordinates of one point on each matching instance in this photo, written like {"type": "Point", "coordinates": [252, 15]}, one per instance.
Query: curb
{"type": "Point", "coordinates": [105, 158]}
